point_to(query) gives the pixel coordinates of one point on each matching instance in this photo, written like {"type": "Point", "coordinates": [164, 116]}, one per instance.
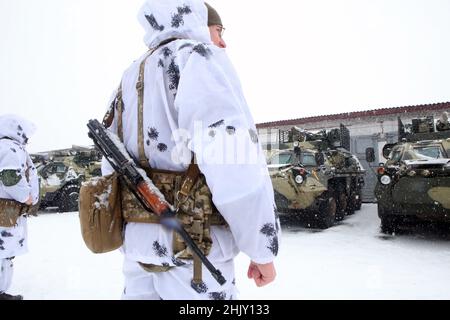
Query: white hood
{"type": "Point", "coordinates": [165, 19]}
{"type": "Point", "coordinates": [16, 128]}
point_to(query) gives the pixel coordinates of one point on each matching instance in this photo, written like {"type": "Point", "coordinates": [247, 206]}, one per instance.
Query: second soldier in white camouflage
{"type": "Point", "coordinates": [18, 187]}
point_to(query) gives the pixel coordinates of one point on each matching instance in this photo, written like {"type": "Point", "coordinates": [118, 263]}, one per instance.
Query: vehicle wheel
{"type": "Point", "coordinates": [69, 199]}
{"type": "Point", "coordinates": [389, 223]}
{"type": "Point", "coordinates": [341, 205]}
{"type": "Point", "coordinates": [358, 201]}
{"type": "Point", "coordinates": [327, 214]}
{"type": "Point", "coordinates": [42, 205]}
{"type": "Point", "coordinates": [281, 202]}
{"type": "Point", "coordinates": [352, 204]}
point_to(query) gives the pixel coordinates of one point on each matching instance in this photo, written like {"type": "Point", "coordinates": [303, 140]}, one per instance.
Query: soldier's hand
{"type": "Point", "coordinates": [263, 274]}
{"type": "Point", "coordinates": [29, 201]}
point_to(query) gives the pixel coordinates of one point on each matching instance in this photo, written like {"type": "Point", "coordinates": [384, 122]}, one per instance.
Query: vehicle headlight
{"type": "Point", "coordinates": [386, 180]}
{"type": "Point", "coordinates": [299, 179]}
{"type": "Point", "coordinates": [412, 173]}
{"type": "Point", "coordinates": [426, 173]}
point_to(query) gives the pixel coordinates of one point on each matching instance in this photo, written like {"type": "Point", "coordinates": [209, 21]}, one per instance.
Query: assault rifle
{"type": "Point", "coordinates": [143, 188]}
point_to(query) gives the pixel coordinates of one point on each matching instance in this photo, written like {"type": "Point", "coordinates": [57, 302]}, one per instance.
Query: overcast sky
{"type": "Point", "coordinates": [61, 59]}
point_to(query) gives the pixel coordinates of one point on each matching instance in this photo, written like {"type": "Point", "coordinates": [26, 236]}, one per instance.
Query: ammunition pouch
{"type": "Point", "coordinates": [166, 181]}
{"type": "Point", "coordinates": [196, 210]}
{"type": "Point", "coordinates": [11, 210]}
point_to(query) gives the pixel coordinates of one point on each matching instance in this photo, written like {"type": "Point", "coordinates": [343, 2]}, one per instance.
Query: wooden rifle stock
{"type": "Point", "coordinates": [152, 199]}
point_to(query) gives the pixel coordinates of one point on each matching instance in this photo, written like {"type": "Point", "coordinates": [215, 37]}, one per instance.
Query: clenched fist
{"type": "Point", "coordinates": [263, 274]}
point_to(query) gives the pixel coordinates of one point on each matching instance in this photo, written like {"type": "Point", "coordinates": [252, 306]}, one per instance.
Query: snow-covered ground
{"type": "Point", "coordinates": [349, 261]}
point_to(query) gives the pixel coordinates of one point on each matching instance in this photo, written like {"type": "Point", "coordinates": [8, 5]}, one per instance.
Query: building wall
{"type": "Point", "coordinates": [378, 125]}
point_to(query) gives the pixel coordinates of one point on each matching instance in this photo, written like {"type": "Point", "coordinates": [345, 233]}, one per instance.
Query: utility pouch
{"type": "Point", "coordinates": [166, 181]}
{"type": "Point", "coordinates": [100, 214]}
{"type": "Point", "coordinates": [197, 213]}
{"type": "Point", "coordinates": [10, 211]}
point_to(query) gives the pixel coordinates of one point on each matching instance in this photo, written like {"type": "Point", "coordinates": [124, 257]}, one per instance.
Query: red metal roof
{"type": "Point", "coordinates": [358, 114]}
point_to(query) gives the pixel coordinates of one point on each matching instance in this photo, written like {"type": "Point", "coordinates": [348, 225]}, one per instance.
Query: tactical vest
{"type": "Point", "coordinates": [187, 191]}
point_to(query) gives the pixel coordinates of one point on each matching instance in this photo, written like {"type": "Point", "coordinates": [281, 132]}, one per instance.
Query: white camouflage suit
{"type": "Point", "coordinates": [14, 161]}
{"type": "Point", "coordinates": [193, 102]}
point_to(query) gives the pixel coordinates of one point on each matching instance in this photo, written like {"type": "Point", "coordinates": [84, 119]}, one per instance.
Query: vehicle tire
{"type": "Point", "coordinates": [359, 203]}
{"type": "Point", "coordinates": [352, 204]}
{"type": "Point", "coordinates": [281, 202]}
{"type": "Point", "coordinates": [69, 198]}
{"type": "Point", "coordinates": [42, 205]}
{"type": "Point", "coordinates": [341, 205]}
{"type": "Point", "coordinates": [389, 223]}
{"type": "Point", "coordinates": [327, 213]}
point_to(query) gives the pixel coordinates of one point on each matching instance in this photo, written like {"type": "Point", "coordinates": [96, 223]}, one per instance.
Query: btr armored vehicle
{"type": "Point", "coordinates": [414, 183]}
{"type": "Point", "coordinates": [61, 174]}
{"type": "Point", "coordinates": [315, 176]}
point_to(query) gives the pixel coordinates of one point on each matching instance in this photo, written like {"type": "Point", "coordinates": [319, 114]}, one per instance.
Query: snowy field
{"type": "Point", "coordinates": [349, 261]}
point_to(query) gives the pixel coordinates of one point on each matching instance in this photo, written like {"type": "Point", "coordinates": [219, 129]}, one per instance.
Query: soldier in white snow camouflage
{"type": "Point", "coordinates": [19, 191]}
{"type": "Point", "coordinates": [191, 88]}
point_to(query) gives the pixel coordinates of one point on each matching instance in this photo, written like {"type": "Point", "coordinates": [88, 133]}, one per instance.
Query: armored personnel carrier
{"type": "Point", "coordinates": [314, 175]}
{"type": "Point", "coordinates": [61, 174]}
{"type": "Point", "coordinates": [414, 183]}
